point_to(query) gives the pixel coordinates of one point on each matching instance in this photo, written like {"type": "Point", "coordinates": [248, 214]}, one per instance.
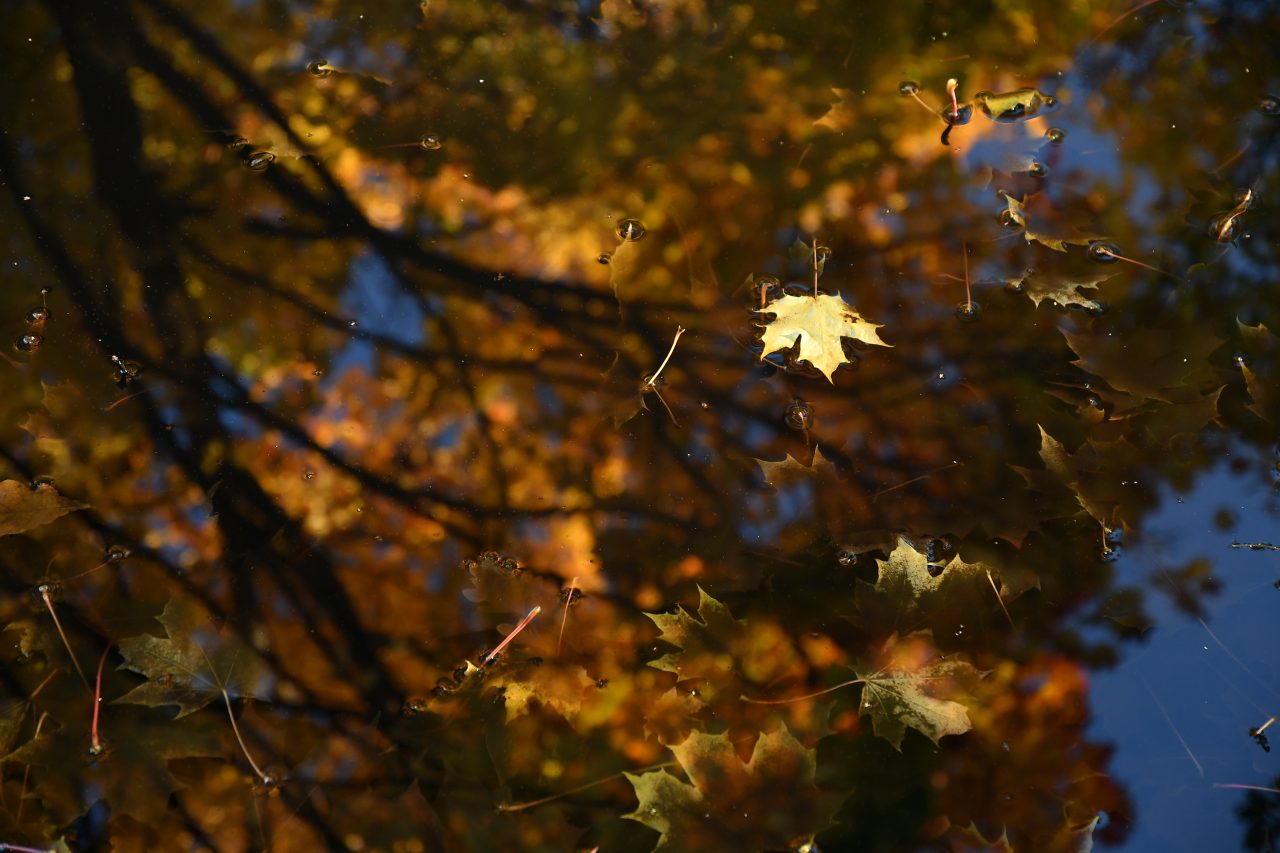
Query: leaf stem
{"type": "Point", "coordinates": [48, 602]}
{"type": "Point", "coordinates": [996, 590]}
{"type": "Point", "coordinates": [652, 380]}
{"type": "Point", "coordinates": [262, 777]}
{"type": "Point", "coordinates": [514, 631]}
{"type": "Point", "coordinates": [805, 696]}
{"type": "Point", "coordinates": [568, 599]}
{"type": "Point", "coordinates": [94, 740]}
{"type": "Point", "coordinates": [1246, 787]}
{"type": "Point", "coordinates": [507, 808]}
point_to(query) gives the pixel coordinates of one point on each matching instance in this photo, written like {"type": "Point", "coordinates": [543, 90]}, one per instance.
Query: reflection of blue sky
{"type": "Point", "coordinates": [1210, 696]}
{"type": "Point", "coordinates": [380, 307]}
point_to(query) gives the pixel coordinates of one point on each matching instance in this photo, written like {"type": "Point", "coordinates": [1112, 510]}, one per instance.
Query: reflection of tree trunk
{"type": "Point", "coordinates": [258, 533]}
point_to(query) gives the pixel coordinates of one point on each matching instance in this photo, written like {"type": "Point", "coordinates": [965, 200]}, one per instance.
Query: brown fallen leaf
{"type": "Point", "coordinates": [23, 508]}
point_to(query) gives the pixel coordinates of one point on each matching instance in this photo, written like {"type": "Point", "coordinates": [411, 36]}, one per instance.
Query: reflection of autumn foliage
{"type": "Point", "coordinates": [352, 417]}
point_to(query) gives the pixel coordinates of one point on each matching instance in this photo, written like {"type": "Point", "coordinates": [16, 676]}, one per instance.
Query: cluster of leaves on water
{"type": "Point", "coordinates": [392, 462]}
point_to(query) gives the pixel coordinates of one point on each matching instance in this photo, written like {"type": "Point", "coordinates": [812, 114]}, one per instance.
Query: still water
{"type": "Point", "coordinates": [640, 424]}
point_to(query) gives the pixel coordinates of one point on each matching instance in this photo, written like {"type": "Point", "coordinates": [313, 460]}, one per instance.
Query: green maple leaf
{"type": "Point", "coordinates": [914, 689]}
{"type": "Point", "coordinates": [194, 665]}
{"type": "Point", "coordinates": [23, 508]}
{"type": "Point", "coordinates": [767, 803]}
{"type": "Point", "coordinates": [132, 776]}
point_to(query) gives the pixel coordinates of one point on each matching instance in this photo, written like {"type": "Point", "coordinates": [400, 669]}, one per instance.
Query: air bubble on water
{"type": "Point", "coordinates": [37, 314]}
{"type": "Point", "coordinates": [237, 143]}
{"type": "Point", "coordinates": [630, 230]}
{"type": "Point", "coordinates": [258, 161]}
{"type": "Point", "coordinates": [1269, 105]}
{"type": "Point", "coordinates": [116, 553]}
{"type": "Point", "coordinates": [799, 415]}
{"type": "Point", "coordinates": [604, 258]}
{"type": "Point", "coordinates": [30, 342]}
{"type": "Point", "coordinates": [319, 68]}
{"type": "Point", "coordinates": [430, 142]}
{"type": "Point", "coordinates": [41, 482]}
{"type": "Point", "coordinates": [907, 88]}
{"type": "Point", "coordinates": [1103, 252]}
{"type": "Point", "coordinates": [310, 475]}
{"type": "Point", "coordinates": [1056, 135]}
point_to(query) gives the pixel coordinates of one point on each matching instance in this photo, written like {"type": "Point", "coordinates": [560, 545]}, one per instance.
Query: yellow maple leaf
{"type": "Point", "coordinates": [818, 323]}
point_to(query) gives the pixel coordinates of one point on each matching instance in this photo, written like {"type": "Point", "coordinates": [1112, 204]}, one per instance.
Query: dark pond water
{"type": "Point", "coordinates": [563, 425]}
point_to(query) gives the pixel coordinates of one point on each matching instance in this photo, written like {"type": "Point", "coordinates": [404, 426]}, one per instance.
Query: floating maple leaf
{"type": "Point", "coordinates": [23, 507]}
{"type": "Point", "coordinates": [766, 803]}
{"type": "Point", "coordinates": [1061, 289]}
{"type": "Point", "coordinates": [818, 323]}
{"type": "Point", "coordinates": [908, 595]}
{"type": "Point", "coordinates": [1038, 225]}
{"type": "Point", "coordinates": [913, 690]}
{"type": "Point", "coordinates": [1260, 343]}
{"type": "Point", "coordinates": [775, 473]}
{"type": "Point", "coordinates": [132, 776]}
{"type": "Point", "coordinates": [194, 665]}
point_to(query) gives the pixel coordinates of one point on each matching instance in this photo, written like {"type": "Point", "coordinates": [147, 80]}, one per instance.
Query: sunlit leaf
{"type": "Point", "coordinates": [23, 507]}
{"type": "Point", "coordinates": [818, 323]}
{"type": "Point", "coordinates": [913, 689]}
{"type": "Point", "coordinates": [1012, 106]}
{"type": "Point", "coordinates": [193, 665]}
{"type": "Point", "coordinates": [766, 803]}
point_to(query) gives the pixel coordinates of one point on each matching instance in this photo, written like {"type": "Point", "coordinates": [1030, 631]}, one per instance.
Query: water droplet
{"type": "Point", "coordinates": [237, 143]}
{"type": "Point", "coordinates": [1050, 101]}
{"type": "Point", "coordinates": [30, 342]}
{"type": "Point", "coordinates": [98, 750]}
{"type": "Point", "coordinates": [353, 324]}
{"type": "Point", "coordinates": [1225, 228]}
{"type": "Point", "coordinates": [907, 88]}
{"type": "Point", "coordinates": [630, 230]}
{"type": "Point", "coordinates": [310, 475]}
{"type": "Point", "coordinates": [41, 482]}
{"type": "Point", "coordinates": [126, 371]}
{"type": "Point", "coordinates": [968, 311]}
{"type": "Point", "coordinates": [1016, 285]}
{"type": "Point", "coordinates": [846, 558]}
{"type": "Point", "coordinates": [116, 553]}
{"type": "Point", "coordinates": [430, 142]}
{"type": "Point", "coordinates": [963, 117]}
{"type": "Point", "coordinates": [1037, 170]}
{"type": "Point", "coordinates": [509, 566]}
{"type": "Point", "coordinates": [269, 782]}
{"type": "Point", "coordinates": [1093, 401]}
{"type": "Point", "coordinates": [38, 314]}
{"type": "Point", "coordinates": [604, 258]}
{"type": "Point", "coordinates": [1269, 105]}
{"type": "Point", "coordinates": [417, 705]}
{"type": "Point", "coordinates": [1104, 252]}
{"type": "Point", "coordinates": [258, 161]}
{"type": "Point", "coordinates": [51, 590]}
{"type": "Point", "coordinates": [1240, 359]}
{"type": "Point", "coordinates": [799, 415]}
{"type": "Point", "coordinates": [319, 68]}
{"type": "Point", "coordinates": [1056, 135]}
{"type": "Point", "coordinates": [1008, 219]}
